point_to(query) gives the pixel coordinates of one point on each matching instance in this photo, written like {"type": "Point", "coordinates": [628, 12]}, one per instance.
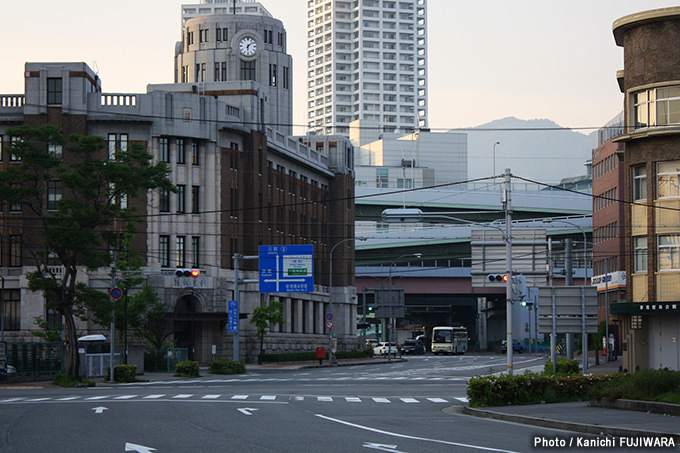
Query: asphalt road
{"type": "Point", "coordinates": [408, 406]}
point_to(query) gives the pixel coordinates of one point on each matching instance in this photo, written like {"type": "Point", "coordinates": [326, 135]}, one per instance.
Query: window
{"type": "Point", "coordinates": [196, 251]}
{"type": "Point", "coordinates": [15, 251]}
{"type": "Point", "coordinates": [194, 153]}
{"type": "Point", "coordinates": [181, 152]}
{"type": "Point", "coordinates": [164, 200]}
{"type": "Point", "coordinates": [639, 183]}
{"type": "Point", "coordinates": [668, 106]}
{"type": "Point", "coordinates": [54, 91]}
{"type": "Point", "coordinates": [218, 34]}
{"type": "Point", "coordinates": [656, 107]}
{"type": "Point", "coordinates": [15, 141]}
{"type": "Point", "coordinates": [381, 178]}
{"type": "Point", "coordinates": [163, 150]}
{"type": "Point", "coordinates": [53, 149]}
{"type": "Point", "coordinates": [248, 70]}
{"type": "Point", "coordinates": [668, 179]}
{"type": "Point", "coordinates": [286, 78]}
{"type": "Point", "coordinates": [217, 72]}
{"type": "Point", "coordinates": [180, 250]}
{"type": "Point", "coordinates": [640, 259]}
{"type": "Point", "coordinates": [181, 198]}
{"type": "Point", "coordinates": [11, 308]}
{"type": "Point", "coordinates": [15, 206]}
{"type": "Point", "coordinates": [164, 251]}
{"type": "Point", "coordinates": [54, 192]}
{"type": "Point", "coordinates": [224, 71]}
{"type": "Point", "coordinates": [117, 142]}
{"type": "Point", "coordinates": [195, 192]}
{"type": "Point", "coordinates": [272, 75]}
{"type": "Point", "coordinates": [225, 34]}
{"type": "Point", "coordinates": [669, 252]}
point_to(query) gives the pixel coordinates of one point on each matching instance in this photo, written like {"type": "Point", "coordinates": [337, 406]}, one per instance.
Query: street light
{"type": "Point", "coordinates": [330, 297]}
{"type": "Point", "coordinates": [606, 297]}
{"type": "Point", "coordinates": [494, 161]}
{"type": "Point", "coordinates": [389, 319]}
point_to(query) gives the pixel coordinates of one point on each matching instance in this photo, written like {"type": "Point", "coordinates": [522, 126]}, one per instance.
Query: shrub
{"type": "Point", "coordinates": [188, 368]}
{"type": "Point", "coordinates": [529, 388]}
{"type": "Point", "coordinates": [123, 373]}
{"type": "Point", "coordinates": [222, 366]}
{"type": "Point", "coordinates": [647, 385]}
{"type": "Point", "coordinates": [565, 367]}
{"type": "Point", "coordinates": [63, 380]}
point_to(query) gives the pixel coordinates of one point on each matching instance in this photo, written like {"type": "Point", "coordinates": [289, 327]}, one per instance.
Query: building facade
{"type": "Point", "coordinates": [242, 182]}
{"type": "Point", "coordinates": [366, 60]}
{"type": "Point", "coordinates": [609, 271]}
{"type": "Point", "coordinates": [650, 317]}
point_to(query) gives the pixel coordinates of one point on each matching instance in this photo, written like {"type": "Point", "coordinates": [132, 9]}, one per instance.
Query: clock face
{"type": "Point", "coordinates": [247, 46]}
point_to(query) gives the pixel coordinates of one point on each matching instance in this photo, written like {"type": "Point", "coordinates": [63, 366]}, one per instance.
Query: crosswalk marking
{"type": "Point", "coordinates": [239, 397]}
{"type": "Point", "coordinates": [94, 398]}
{"type": "Point", "coordinates": [37, 399]}
{"type": "Point", "coordinates": [409, 400]}
{"type": "Point", "coordinates": [324, 398]}
{"type": "Point", "coordinates": [437, 400]}
{"type": "Point", "coordinates": [268, 397]}
{"type": "Point", "coordinates": [210, 397]}
{"type": "Point", "coordinates": [463, 399]}
{"type": "Point", "coordinates": [125, 397]}
{"type": "Point", "coordinates": [154, 397]}
{"type": "Point", "coordinates": [183, 396]}
{"type": "Point", "coordinates": [68, 398]}
{"type": "Point", "coordinates": [351, 399]}
{"type": "Point", "coordinates": [381, 400]}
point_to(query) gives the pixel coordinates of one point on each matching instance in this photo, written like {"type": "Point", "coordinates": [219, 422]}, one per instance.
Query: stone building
{"type": "Point", "coordinates": [650, 317]}
{"type": "Point", "coordinates": [242, 180]}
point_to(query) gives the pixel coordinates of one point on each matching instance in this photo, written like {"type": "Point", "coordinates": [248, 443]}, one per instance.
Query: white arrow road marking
{"type": "Point", "coordinates": [405, 436]}
{"type": "Point", "coordinates": [100, 409]}
{"type": "Point", "coordinates": [382, 447]}
{"type": "Point", "coordinates": [246, 410]}
{"type": "Point", "coordinates": [138, 448]}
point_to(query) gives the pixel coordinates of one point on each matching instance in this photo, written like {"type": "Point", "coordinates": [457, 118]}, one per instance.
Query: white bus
{"type": "Point", "coordinates": [449, 340]}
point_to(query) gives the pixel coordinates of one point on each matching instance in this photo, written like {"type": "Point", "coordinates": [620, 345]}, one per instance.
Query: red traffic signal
{"type": "Point", "coordinates": [187, 273]}
{"type": "Point", "coordinates": [497, 278]}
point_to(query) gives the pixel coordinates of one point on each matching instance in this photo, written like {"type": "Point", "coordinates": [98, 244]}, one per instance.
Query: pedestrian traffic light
{"type": "Point", "coordinates": [187, 273]}
{"type": "Point", "coordinates": [497, 278]}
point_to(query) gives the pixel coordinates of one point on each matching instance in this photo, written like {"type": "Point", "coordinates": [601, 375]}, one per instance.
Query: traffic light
{"type": "Point", "coordinates": [497, 278]}
{"type": "Point", "coordinates": [187, 273]}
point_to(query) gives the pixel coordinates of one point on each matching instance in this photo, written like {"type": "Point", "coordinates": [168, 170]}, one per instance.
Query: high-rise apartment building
{"type": "Point", "coordinates": [366, 60]}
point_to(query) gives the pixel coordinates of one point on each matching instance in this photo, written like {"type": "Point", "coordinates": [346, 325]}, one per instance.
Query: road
{"type": "Point", "coordinates": [398, 407]}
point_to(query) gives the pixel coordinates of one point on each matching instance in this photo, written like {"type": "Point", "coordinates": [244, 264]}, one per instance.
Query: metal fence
{"type": "Point", "coordinates": [176, 355]}
{"type": "Point", "coordinates": [36, 358]}
{"type": "Point", "coordinates": [97, 363]}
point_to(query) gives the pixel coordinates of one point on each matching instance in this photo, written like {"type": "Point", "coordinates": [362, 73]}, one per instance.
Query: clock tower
{"type": "Point", "coordinates": [223, 51]}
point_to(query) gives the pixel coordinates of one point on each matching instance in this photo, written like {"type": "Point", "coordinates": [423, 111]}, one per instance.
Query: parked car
{"type": "Point", "coordinates": [516, 346]}
{"type": "Point", "coordinates": [6, 370]}
{"type": "Point", "coordinates": [382, 349]}
{"type": "Point", "coordinates": [413, 346]}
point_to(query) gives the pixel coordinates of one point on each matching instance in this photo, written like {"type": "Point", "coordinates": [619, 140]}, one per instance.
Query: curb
{"type": "Point", "coordinates": [566, 426]}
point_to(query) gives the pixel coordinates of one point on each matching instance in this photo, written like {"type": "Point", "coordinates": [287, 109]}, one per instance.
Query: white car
{"type": "Point", "coordinates": [383, 349]}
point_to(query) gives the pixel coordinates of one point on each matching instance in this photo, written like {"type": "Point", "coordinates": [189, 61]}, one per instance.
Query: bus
{"type": "Point", "coordinates": [449, 340]}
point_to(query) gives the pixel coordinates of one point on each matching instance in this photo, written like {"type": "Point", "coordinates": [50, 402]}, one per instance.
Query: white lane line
{"type": "Point", "coordinates": [239, 397]}
{"type": "Point", "coordinates": [438, 400]}
{"type": "Point", "coordinates": [210, 397]}
{"type": "Point", "coordinates": [183, 396]}
{"type": "Point", "coordinates": [409, 400]}
{"type": "Point", "coordinates": [404, 436]}
{"type": "Point", "coordinates": [381, 400]}
{"type": "Point", "coordinates": [154, 397]}
{"type": "Point", "coordinates": [11, 400]}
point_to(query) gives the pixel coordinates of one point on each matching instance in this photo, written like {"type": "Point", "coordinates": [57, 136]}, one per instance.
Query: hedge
{"type": "Point", "coordinates": [222, 366]}
{"type": "Point", "coordinates": [530, 388]}
{"type": "Point", "coordinates": [188, 368]}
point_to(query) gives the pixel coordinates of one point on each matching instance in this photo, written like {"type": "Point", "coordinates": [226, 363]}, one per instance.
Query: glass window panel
{"type": "Point", "coordinates": [668, 178]}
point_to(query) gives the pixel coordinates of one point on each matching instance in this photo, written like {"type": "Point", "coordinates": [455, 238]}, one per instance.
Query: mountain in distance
{"type": "Point", "coordinates": [539, 150]}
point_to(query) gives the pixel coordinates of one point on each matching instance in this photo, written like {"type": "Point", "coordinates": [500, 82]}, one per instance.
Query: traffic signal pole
{"type": "Point", "coordinates": [508, 256]}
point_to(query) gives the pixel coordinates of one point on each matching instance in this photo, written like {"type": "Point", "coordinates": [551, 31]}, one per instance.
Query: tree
{"type": "Point", "coordinates": [46, 333]}
{"type": "Point", "coordinates": [74, 204]}
{"type": "Point", "coordinates": [263, 317]}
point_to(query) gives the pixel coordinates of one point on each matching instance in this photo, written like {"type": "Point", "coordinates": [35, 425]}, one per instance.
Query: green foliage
{"type": "Point", "coordinates": [565, 367]}
{"type": "Point", "coordinates": [78, 233]}
{"type": "Point", "coordinates": [46, 333]}
{"type": "Point", "coordinates": [64, 380]}
{"type": "Point", "coordinates": [222, 366]}
{"type": "Point", "coordinates": [123, 373]}
{"type": "Point", "coordinates": [263, 317]}
{"type": "Point", "coordinates": [647, 385]}
{"type": "Point", "coordinates": [188, 368]}
{"type": "Point", "coordinates": [529, 388]}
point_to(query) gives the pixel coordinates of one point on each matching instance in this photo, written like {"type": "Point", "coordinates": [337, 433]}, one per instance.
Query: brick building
{"type": "Point", "coordinates": [651, 314]}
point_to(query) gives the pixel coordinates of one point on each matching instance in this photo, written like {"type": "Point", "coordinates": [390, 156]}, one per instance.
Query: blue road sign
{"type": "Point", "coordinates": [286, 268]}
{"type": "Point", "coordinates": [232, 313]}
{"type": "Point", "coordinates": [116, 293]}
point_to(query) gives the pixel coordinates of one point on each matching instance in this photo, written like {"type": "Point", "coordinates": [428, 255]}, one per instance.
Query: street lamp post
{"type": "Point", "coordinates": [389, 319]}
{"type": "Point", "coordinates": [330, 296]}
{"type": "Point", "coordinates": [606, 298]}
{"type": "Point", "coordinates": [494, 160]}
{"type": "Point", "coordinates": [585, 247]}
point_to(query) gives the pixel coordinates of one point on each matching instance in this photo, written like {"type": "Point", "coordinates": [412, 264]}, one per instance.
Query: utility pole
{"type": "Point", "coordinates": [237, 296]}
{"type": "Point", "coordinates": [508, 256]}
{"type": "Point", "coordinates": [569, 281]}
{"type": "Point", "coordinates": [112, 346]}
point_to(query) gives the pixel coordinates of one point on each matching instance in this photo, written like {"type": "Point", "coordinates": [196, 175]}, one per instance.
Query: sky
{"type": "Point", "coordinates": [487, 59]}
